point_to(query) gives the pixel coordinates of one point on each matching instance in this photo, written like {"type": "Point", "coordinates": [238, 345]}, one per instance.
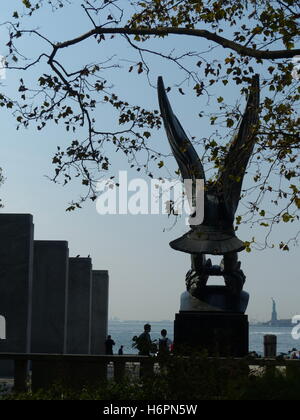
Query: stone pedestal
{"type": "Point", "coordinates": [79, 306]}
{"type": "Point", "coordinates": [49, 297]}
{"type": "Point", "coordinates": [99, 311]}
{"type": "Point", "coordinates": [16, 259]}
{"type": "Point", "coordinates": [270, 345]}
{"type": "Point", "coordinates": [220, 333]}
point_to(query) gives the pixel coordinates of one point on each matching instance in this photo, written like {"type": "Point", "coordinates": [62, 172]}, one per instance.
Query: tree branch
{"type": "Point", "coordinates": [201, 33]}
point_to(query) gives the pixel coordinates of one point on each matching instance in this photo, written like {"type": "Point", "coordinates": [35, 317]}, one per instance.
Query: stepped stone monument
{"type": "Point", "coordinates": [49, 303]}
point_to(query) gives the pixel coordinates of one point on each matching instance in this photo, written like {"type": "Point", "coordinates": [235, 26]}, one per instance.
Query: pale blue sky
{"type": "Point", "coordinates": [146, 275]}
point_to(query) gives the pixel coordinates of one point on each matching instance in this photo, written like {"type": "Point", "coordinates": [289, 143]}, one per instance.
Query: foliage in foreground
{"type": "Point", "coordinates": [182, 379]}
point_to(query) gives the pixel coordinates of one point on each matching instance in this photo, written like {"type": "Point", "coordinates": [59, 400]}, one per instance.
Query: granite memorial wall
{"type": "Point", "coordinates": [49, 303]}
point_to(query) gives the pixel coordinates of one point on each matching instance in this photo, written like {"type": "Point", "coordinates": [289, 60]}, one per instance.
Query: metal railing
{"type": "Point", "coordinates": [81, 370]}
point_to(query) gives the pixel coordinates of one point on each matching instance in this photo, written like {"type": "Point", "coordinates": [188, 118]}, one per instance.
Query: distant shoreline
{"type": "Point", "coordinates": [279, 324]}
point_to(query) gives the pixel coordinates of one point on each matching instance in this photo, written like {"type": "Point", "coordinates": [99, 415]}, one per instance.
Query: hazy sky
{"type": "Point", "coordinates": [146, 275]}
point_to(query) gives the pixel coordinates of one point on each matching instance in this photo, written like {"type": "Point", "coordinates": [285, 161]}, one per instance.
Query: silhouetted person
{"type": "Point", "coordinates": [144, 342]}
{"type": "Point", "coordinates": [164, 343]}
{"type": "Point", "coordinates": [120, 352]}
{"type": "Point", "coordinates": [109, 343]}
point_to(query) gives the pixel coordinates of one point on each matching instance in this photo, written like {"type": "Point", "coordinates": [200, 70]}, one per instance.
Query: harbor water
{"type": "Point", "coordinates": [123, 331]}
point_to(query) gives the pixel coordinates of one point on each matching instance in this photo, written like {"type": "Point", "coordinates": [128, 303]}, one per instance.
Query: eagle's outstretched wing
{"type": "Point", "coordinates": [186, 156]}
{"type": "Point", "coordinates": [231, 174]}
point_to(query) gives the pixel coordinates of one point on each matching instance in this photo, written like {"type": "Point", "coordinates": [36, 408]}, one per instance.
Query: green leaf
{"type": "Point", "coordinates": [229, 122]}
{"type": "Point", "coordinates": [26, 3]}
{"type": "Point", "coordinates": [286, 217]}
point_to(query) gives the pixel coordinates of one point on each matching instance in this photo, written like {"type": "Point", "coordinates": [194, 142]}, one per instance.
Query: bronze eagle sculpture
{"type": "Point", "coordinates": [216, 234]}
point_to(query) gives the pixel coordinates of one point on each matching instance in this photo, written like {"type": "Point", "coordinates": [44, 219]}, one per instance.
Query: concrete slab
{"type": "Point", "coordinates": [49, 297]}
{"type": "Point", "coordinates": [16, 263]}
{"type": "Point", "coordinates": [79, 306]}
{"type": "Point", "coordinates": [100, 285]}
